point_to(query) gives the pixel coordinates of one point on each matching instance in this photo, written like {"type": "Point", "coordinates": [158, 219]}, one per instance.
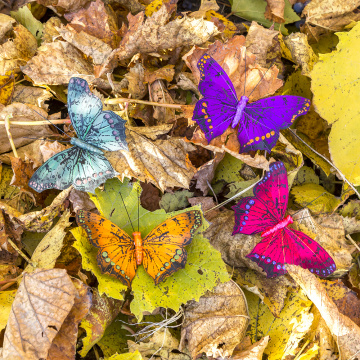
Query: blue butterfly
{"type": "Point", "coordinates": [84, 165]}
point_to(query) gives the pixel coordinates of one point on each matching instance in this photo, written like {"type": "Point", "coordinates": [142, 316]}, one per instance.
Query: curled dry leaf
{"type": "Point", "coordinates": [206, 5]}
{"type": "Point", "coordinates": [164, 163]}
{"type": "Point", "coordinates": [102, 312]}
{"type": "Point", "coordinates": [275, 10]}
{"type": "Point", "coordinates": [50, 148]}
{"type": "Point", "coordinates": [252, 352]}
{"type": "Point", "coordinates": [160, 94]}
{"type": "Point", "coordinates": [31, 95]}
{"type": "Point", "coordinates": [42, 302]}
{"type": "Point", "coordinates": [186, 81]}
{"type": "Point", "coordinates": [64, 5]}
{"type": "Point", "coordinates": [136, 81]}
{"type": "Point", "coordinates": [344, 330]}
{"type": "Point", "coordinates": [64, 344]}
{"type": "Point", "coordinates": [50, 246]}
{"type": "Point", "coordinates": [231, 57]}
{"type": "Point", "coordinates": [164, 73]}
{"type": "Point", "coordinates": [81, 200]}
{"type": "Point", "coordinates": [301, 52]}
{"type": "Point", "coordinates": [49, 31]}
{"type": "Point", "coordinates": [22, 112]}
{"type": "Point", "coordinates": [217, 322]}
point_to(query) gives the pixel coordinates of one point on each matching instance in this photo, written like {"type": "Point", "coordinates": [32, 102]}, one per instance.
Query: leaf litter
{"type": "Point", "coordinates": [140, 58]}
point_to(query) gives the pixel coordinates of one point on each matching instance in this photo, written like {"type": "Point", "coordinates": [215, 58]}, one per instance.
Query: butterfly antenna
{"type": "Point", "coordinates": [245, 74]}
{"type": "Point", "coordinates": [272, 64]}
{"type": "Point", "coordinates": [127, 211]}
{"type": "Point", "coordinates": [52, 123]}
{"type": "Point", "coordinates": [25, 137]}
{"type": "Point", "coordinates": [309, 203]}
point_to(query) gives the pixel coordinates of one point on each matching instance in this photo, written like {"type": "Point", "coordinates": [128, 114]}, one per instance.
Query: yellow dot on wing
{"type": "Point", "coordinates": [206, 116]}
{"type": "Point", "coordinates": [209, 121]}
{"type": "Point", "coordinates": [203, 111]}
{"type": "Point", "coordinates": [210, 127]}
{"type": "Point", "coordinates": [204, 104]}
{"type": "Point", "coordinates": [257, 138]}
{"type": "Point", "coordinates": [267, 135]}
{"type": "Point", "coordinates": [263, 137]}
{"type": "Point", "coordinates": [272, 133]}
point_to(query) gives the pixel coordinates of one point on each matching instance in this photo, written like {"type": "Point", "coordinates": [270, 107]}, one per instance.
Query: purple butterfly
{"type": "Point", "coordinates": [259, 122]}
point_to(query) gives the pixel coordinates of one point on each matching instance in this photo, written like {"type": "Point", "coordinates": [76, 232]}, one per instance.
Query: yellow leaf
{"type": "Point", "coordinates": [335, 85]}
{"type": "Point", "coordinates": [7, 83]}
{"type": "Point", "coordinates": [230, 27]}
{"type": "Point", "coordinates": [315, 197]}
{"type": "Point", "coordinates": [6, 300]}
{"type": "Point", "coordinates": [128, 356]}
{"type": "Point", "coordinates": [153, 7]}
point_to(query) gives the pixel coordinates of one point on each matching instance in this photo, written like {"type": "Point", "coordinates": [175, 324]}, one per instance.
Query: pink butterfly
{"type": "Point", "coordinates": [280, 245]}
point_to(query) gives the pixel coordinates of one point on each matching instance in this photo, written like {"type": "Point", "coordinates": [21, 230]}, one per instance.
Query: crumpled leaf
{"type": "Point", "coordinates": [49, 248]}
{"type": "Point", "coordinates": [164, 73]}
{"type": "Point", "coordinates": [331, 89]}
{"type": "Point", "coordinates": [22, 112]}
{"type": "Point", "coordinates": [206, 5]}
{"type": "Point", "coordinates": [344, 330]}
{"type": "Point", "coordinates": [102, 312]}
{"type": "Point", "coordinates": [7, 83]}
{"type": "Point", "coordinates": [81, 200]}
{"type": "Point", "coordinates": [42, 302]}
{"type": "Point", "coordinates": [275, 10]}
{"type": "Point", "coordinates": [164, 163]}
{"type": "Point", "coordinates": [22, 172]}
{"type": "Point", "coordinates": [255, 10]}
{"type": "Point", "coordinates": [286, 331]}
{"type": "Point", "coordinates": [25, 17]}
{"type": "Point", "coordinates": [156, 33]}
{"type": "Point", "coordinates": [160, 94]}
{"type": "Point", "coordinates": [301, 52]}
{"type": "Point", "coordinates": [315, 197]}
{"type": "Point", "coordinates": [217, 322]}
{"type": "Point", "coordinates": [64, 344]}
{"type": "Point", "coordinates": [64, 5]}
{"type": "Point", "coordinates": [227, 27]}
{"type": "Point", "coordinates": [252, 352]}
{"type": "Point", "coordinates": [31, 95]}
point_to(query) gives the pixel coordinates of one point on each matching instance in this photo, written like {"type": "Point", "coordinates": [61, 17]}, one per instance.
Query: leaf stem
{"type": "Point", "coordinates": [136, 101]}
{"type": "Point", "coordinates": [35, 123]}
{"type": "Point", "coordinates": [11, 141]}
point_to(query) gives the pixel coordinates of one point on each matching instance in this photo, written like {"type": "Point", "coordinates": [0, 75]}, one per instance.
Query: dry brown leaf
{"type": "Point", "coordinates": [133, 5]}
{"type": "Point", "coordinates": [64, 344]}
{"type": "Point", "coordinates": [18, 50]}
{"type": "Point", "coordinates": [156, 33]}
{"type": "Point", "coordinates": [99, 20]}
{"type": "Point", "coordinates": [6, 24]}
{"type": "Point", "coordinates": [206, 203]}
{"type": "Point", "coordinates": [22, 112]}
{"type": "Point", "coordinates": [344, 330]}
{"type": "Point", "coordinates": [42, 302]}
{"type": "Point", "coordinates": [136, 80]}
{"type": "Point", "coordinates": [149, 197]}
{"type": "Point", "coordinates": [31, 95]}
{"type": "Point", "coordinates": [205, 6]}
{"type": "Point", "coordinates": [55, 63]}
{"type": "Point", "coordinates": [29, 152]}
{"type": "Point", "coordinates": [9, 229]}
{"type": "Point", "coordinates": [206, 172]}
{"type": "Point", "coordinates": [49, 30]}
{"type": "Point", "coordinates": [275, 10]}
{"type": "Point", "coordinates": [164, 163]}
{"type": "Point", "coordinates": [331, 15]}
{"type": "Point", "coordinates": [260, 41]}
{"type": "Point", "coordinates": [252, 352]}
{"type": "Point", "coordinates": [50, 148]}
{"type": "Point", "coordinates": [81, 200]}
{"type": "Point", "coordinates": [164, 73]}
{"type": "Point", "coordinates": [64, 5]}
{"type": "Point", "coordinates": [23, 171]}
{"type": "Point", "coordinates": [217, 323]}
{"type": "Point", "coordinates": [186, 81]}
{"type": "Point", "coordinates": [160, 94]}
{"type": "Point", "coordinates": [231, 57]}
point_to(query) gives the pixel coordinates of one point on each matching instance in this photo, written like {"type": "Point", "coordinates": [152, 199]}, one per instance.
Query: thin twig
{"type": "Point", "coordinates": [21, 253]}
{"type": "Point", "coordinates": [352, 241]}
{"type": "Point", "coordinates": [11, 141]}
{"type": "Point", "coordinates": [34, 123]}
{"type": "Point", "coordinates": [136, 101]}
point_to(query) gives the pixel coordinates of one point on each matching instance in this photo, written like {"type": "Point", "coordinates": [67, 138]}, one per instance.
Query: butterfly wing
{"type": "Point", "coordinates": [163, 247]}
{"type": "Point", "coordinates": [262, 120]}
{"type": "Point", "coordinates": [116, 256]}
{"type": "Point", "coordinates": [257, 213]}
{"type": "Point", "coordinates": [91, 170]}
{"type": "Point", "coordinates": [215, 112]}
{"type": "Point", "coordinates": [103, 129]}
{"type": "Point", "coordinates": [288, 246]}
{"type": "Point", "coordinates": [57, 172]}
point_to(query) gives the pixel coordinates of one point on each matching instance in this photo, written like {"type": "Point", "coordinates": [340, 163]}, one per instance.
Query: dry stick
{"type": "Point", "coordinates": [7, 127]}
{"type": "Point", "coordinates": [21, 253]}
{"type": "Point", "coordinates": [352, 241]}
{"type": "Point", "coordinates": [34, 123]}
{"type": "Point", "coordinates": [136, 101]}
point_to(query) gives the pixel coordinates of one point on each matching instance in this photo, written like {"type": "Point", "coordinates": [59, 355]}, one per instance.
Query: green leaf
{"type": "Point", "coordinates": [255, 10]}
{"type": "Point", "coordinates": [306, 175]}
{"type": "Point", "coordinates": [203, 271]}
{"type": "Point", "coordinates": [128, 356]}
{"type": "Point", "coordinates": [178, 200]}
{"type": "Point", "coordinates": [25, 17]}
{"type": "Point", "coordinates": [236, 187]}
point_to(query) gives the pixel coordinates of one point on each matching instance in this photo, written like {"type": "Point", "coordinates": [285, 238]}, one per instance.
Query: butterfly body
{"type": "Point", "coordinates": [258, 122]}
{"type": "Point", "coordinates": [84, 165]}
{"type": "Point", "coordinates": [85, 146]}
{"type": "Point", "coordinates": [161, 252]}
{"type": "Point", "coordinates": [280, 245]}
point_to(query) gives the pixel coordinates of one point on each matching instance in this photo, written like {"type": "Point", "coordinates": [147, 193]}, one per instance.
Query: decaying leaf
{"type": "Point", "coordinates": [7, 83]}
{"type": "Point", "coordinates": [42, 302]}
{"type": "Point", "coordinates": [275, 10]}
{"type": "Point", "coordinates": [345, 331]}
{"type": "Point", "coordinates": [252, 352]}
{"type": "Point", "coordinates": [164, 163]}
{"type": "Point", "coordinates": [31, 95]}
{"type": "Point", "coordinates": [65, 5]}
{"type": "Point", "coordinates": [217, 322]}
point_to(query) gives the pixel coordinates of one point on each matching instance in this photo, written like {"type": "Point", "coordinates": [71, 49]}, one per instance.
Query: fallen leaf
{"type": "Point", "coordinates": [6, 300]}
{"type": "Point", "coordinates": [128, 356]}
{"type": "Point", "coordinates": [9, 229]}
{"type": "Point", "coordinates": [331, 89]}
{"type": "Point", "coordinates": [64, 5]}
{"type": "Point", "coordinates": [22, 112]}
{"type": "Point", "coordinates": [306, 175]}
{"type": "Point", "coordinates": [23, 171]}
{"type": "Point", "coordinates": [31, 95]}
{"type": "Point", "coordinates": [50, 148]}
{"type": "Point", "coordinates": [42, 302]}
{"type": "Point", "coordinates": [206, 5]}
{"type": "Point", "coordinates": [149, 198]}
{"type": "Point", "coordinates": [301, 52]}
{"type": "Point", "coordinates": [102, 312]}
{"type": "Point", "coordinates": [49, 248]}
{"type": "Point", "coordinates": [164, 163]}
{"type": "Point", "coordinates": [156, 33]}
{"type": "Point", "coordinates": [7, 83]}
{"type": "Point", "coordinates": [252, 352]}
{"type": "Point", "coordinates": [49, 31]}
{"type": "Point", "coordinates": [63, 346]}
{"type": "Point", "coordinates": [175, 201]}
{"type": "Point", "coordinates": [274, 10]}
{"type": "Point", "coordinates": [164, 73]}
{"type": "Point", "coordinates": [217, 322]}
{"type": "Point", "coordinates": [186, 81]}
{"type": "Point", "coordinates": [344, 330]}
{"type": "Point", "coordinates": [160, 94]}
{"type": "Point", "coordinates": [81, 200]}
{"type": "Point", "coordinates": [206, 203]}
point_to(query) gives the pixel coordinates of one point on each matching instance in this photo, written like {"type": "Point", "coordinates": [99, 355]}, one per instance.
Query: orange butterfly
{"type": "Point", "coordinates": [162, 251]}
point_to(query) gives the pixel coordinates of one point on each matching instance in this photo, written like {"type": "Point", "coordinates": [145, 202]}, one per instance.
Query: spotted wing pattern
{"type": "Point", "coordinates": [116, 256]}
{"type": "Point", "coordinates": [258, 213]}
{"type": "Point", "coordinates": [262, 120]}
{"type": "Point", "coordinates": [163, 247]}
{"type": "Point", "coordinates": [215, 112]}
{"type": "Point", "coordinates": [288, 246]}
